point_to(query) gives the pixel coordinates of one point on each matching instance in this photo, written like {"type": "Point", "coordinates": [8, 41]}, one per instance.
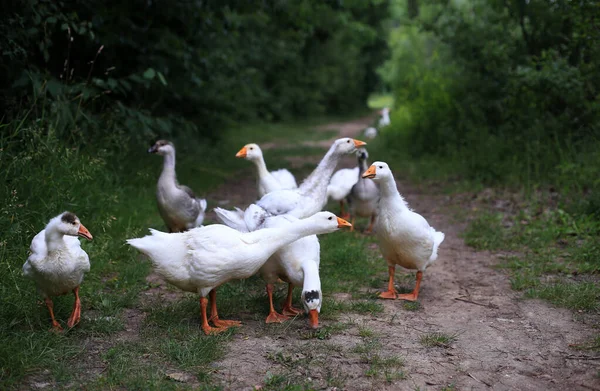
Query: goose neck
{"type": "Point", "coordinates": [322, 174]}
{"type": "Point", "coordinates": [390, 191]}
{"type": "Point", "coordinates": [54, 239]}
{"type": "Point", "coordinates": [312, 281]}
{"type": "Point", "coordinates": [261, 167]}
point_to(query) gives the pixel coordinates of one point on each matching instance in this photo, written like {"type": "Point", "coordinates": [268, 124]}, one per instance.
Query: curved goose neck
{"type": "Point", "coordinates": [272, 239]}
{"type": "Point", "coordinates": [322, 174]}
{"type": "Point", "coordinates": [362, 167]}
{"type": "Point", "coordinates": [261, 167]}
{"type": "Point", "coordinates": [168, 172]}
{"type": "Point", "coordinates": [264, 176]}
{"type": "Point", "coordinates": [54, 238]}
{"type": "Point", "coordinates": [390, 193]}
{"type": "Point", "coordinates": [312, 281]}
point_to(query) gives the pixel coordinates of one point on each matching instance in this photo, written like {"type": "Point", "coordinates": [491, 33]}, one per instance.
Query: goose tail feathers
{"type": "Point", "coordinates": [438, 238]}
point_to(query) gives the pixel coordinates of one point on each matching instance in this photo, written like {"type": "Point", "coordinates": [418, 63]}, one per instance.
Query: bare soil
{"type": "Point", "coordinates": [502, 341]}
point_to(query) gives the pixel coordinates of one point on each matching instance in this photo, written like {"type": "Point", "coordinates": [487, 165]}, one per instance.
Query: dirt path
{"type": "Point", "coordinates": [501, 342]}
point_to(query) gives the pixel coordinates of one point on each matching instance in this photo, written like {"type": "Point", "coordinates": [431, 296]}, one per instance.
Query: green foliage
{"type": "Point", "coordinates": [499, 90]}
{"type": "Point", "coordinates": [186, 68]}
{"type": "Point", "coordinates": [558, 253]}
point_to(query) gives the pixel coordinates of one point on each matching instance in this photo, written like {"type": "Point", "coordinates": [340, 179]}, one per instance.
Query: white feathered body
{"type": "Point", "coordinates": [296, 263]}
{"type": "Point", "coordinates": [364, 198]}
{"type": "Point", "coordinates": [57, 271]}
{"type": "Point", "coordinates": [203, 258]}
{"type": "Point", "coordinates": [287, 262]}
{"type": "Point", "coordinates": [341, 183]}
{"type": "Point", "coordinates": [405, 237]}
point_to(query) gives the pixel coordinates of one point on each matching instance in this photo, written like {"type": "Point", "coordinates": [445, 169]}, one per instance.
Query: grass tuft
{"type": "Point", "coordinates": [437, 339]}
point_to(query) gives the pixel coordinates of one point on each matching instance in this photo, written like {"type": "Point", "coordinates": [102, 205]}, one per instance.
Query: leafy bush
{"type": "Point", "coordinates": [506, 89]}
{"type": "Point", "coordinates": [189, 68]}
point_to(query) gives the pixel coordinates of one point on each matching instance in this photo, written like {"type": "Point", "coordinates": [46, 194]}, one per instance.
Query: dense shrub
{"type": "Point", "coordinates": [191, 67]}
{"type": "Point", "coordinates": [504, 90]}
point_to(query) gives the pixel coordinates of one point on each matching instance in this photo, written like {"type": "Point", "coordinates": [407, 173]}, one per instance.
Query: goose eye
{"type": "Point", "coordinates": [381, 167]}
{"type": "Point", "coordinates": [330, 218]}
{"type": "Point", "coordinates": [347, 141]}
{"type": "Point", "coordinates": [251, 148]}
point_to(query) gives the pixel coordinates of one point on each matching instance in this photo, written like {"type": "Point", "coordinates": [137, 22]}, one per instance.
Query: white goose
{"type": "Point", "coordinates": [370, 133]}
{"type": "Point", "coordinates": [405, 237]}
{"type": "Point", "coordinates": [267, 181]}
{"type": "Point", "coordinates": [297, 264]}
{"type": "Point", "coordinates": [364, 197]}
{"type": "Point", "coordinates": [385, 117]}
{"type": "Point", "coordinates": [57, 263]}
{"type": "Point", "coordinates": [340, 186]}
{"type": "Point", "coordinates": [177, 204]}
{"type": "Point", "coordinates": [204, 258]}
{"type": "Point", "coordinates": [311, 196]}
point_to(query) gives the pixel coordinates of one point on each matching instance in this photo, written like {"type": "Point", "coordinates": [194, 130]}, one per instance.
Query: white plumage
{"type": "Point", "coordinates": [203, 258]}
{"type": "Point", "coordinates": [57, 263]}
{"type": "Point", "coordinates": [267, 181]}
{"type": "Point", "coordinates": [297, 263]}
{"type": "Point", "coordinates": [311, 196]}
{"type": "Point", "coordinates": [405, 237]}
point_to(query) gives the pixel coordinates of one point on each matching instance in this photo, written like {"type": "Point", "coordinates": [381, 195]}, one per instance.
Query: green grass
{"type": "Point", "coordinates": [558, 254]}
{"type": "Point", "coordinates": [111, 188]}
{"type": "Point", "coordinates": [379, 101]}
{"type": "Point", "coordinates": [437, 339]}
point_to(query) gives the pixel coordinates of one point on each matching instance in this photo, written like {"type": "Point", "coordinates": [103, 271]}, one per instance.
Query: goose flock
{"type": "Point", "coordinates": [275, 237]}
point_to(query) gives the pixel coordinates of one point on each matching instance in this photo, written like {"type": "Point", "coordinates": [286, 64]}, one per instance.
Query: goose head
{"type": "Point", "coordinates": [347, 145]}
{"type": "Point", "coordinates": [162, 147]}
{"type": "Point", "coordinates": [311, 300]}
{"type": "Point", "coordinates": [68, 224]}
{"type": "Point", "coordinates": [326, 222]}
{"type": "Point", "coordinates": [250, 152]}
{"type": "Point", "coordinates": [378, 171]}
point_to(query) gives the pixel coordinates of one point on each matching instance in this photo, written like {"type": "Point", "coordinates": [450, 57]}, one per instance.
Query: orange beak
{"type": "Point", "coordinates": [370, 173]}
{"type": "Point", "coordinates": [313, 318]}
{"type": "Point", "coordinates": [358, 143]}
{"type": "Point", "coordinates": [343, 223]}
{"type": "Point", "coordinates": [83, 232]}
{"type": "Point", "coordinates": [242, 152]}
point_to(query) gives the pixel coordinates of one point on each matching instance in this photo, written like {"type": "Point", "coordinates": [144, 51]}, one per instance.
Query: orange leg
{"type": "Point", "coordinates": [76, 314]}
{"type": "Point", "coordinates": [55, 325]}
{"type": "Point", "coordinates": [214, 315]}
{"type": "Point", "coordinates": [370, 229]}
{"type": "Point", "coordinates": [343, 215]}
{"type": "Point", "coordinates": [352, 222]}
{"type": "Point", "coordinates": [287, 307]}
{"type": "Point", "coordinates": [415, 294]}
{"type": "Point", "coordinates": [391, 292]}
{"type": "Point", "coordinates": [273, 317]}
{"type": "Point", "coordinates": [205, 326]}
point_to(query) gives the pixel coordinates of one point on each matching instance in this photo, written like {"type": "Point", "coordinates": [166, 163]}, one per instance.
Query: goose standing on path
{"type": "Point", "coordinates": [177, 204]}
{"type": "Point", "coordinates": [364, 196]}
{"type": "Point", "coordinates": [57, 262]}
{"type": "Point", "coordinates": [267, 181]}
{"type": "Point", "coordinates": [311, 196]}
{"type": "Point", "coordinates": [405, 237]}
{"type": "Point", "coordinates": [202, 259]}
